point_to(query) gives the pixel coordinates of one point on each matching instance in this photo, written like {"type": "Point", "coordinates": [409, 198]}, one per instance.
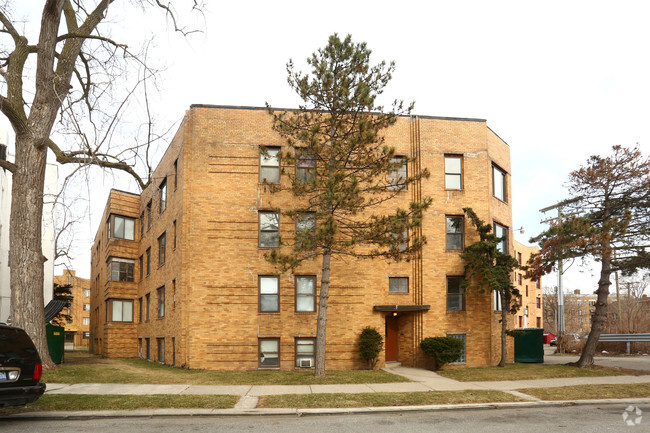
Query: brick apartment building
{"type": "Point", "coordinates": [531, 313]}
{"type": "Point", "coordinates": [77, 329]}
{"type": "Point", "coordinates": [179, 275]}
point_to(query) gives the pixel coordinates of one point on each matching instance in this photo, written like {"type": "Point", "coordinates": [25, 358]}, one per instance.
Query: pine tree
{"type": "Point", "coordinates": [343, 169]}
{"type": "Point", "coordinates": [488, 268]}
{"type": "Point", "coordinates": [608, 220]}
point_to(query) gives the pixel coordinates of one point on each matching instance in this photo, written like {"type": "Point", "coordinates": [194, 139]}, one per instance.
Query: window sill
{"type": "Point", "coordinates": [398, 293]}
{"type": "Point", "coordinates": [502, 201]}
{"type": "Point", "coordinates": [455, 189]}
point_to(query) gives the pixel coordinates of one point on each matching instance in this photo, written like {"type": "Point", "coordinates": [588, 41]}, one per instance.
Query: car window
{"type": "Point", "coordinates": [15, 343]}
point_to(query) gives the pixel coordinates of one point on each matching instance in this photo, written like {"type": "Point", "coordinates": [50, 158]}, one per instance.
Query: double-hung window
{"type": "Point", "coordinates": [149, 215]}
{"type": "Point", "coordinates": [161, 349]}
{"type": "Point", "coordinates": [397, 176]}
{"type": "Point", "coordinates": [455, 294]}
{"type": "Point", "coordinates": [270, 165]}
{"type": "Point", "coordinates": [453, 172]}
{"type": "Point", "coordinates": [305, 350]}
{"type": "Point", "coordinates": [455, 225]}
{"type": "Point", "coordinates": [120, 269]}
{"type": "Point", "coordinates": [147, 299]}
{"type": "Point", "coordinates": [162, 241]}
{"type": "Point", "coordinates": [269, 294]}
{"type": "Point", "coordinates": [499, 183]}
{"type": "Point", "coordinates": [401, 238]}
{"type": "Point", "coordinates": [501, 231]}
{"type": "Point", "coordinates": [148, 261]}
{"type": "Point", "coordinates": [269, 236]}
{"type": "Point", "coordinates": [305, 227]}
{"type": "Point", "coordinates": [269, 352]}
{"type": "Point", "coordinates": [162, 196]}
{"type": "Point", "coordinates": [161, 301]}
{"type": "Point", "coordinates": [305, 167]}
{"type": "Point", "coordinates": [461, 337]}
{"type": "Point", "coordinates": [306, 294]}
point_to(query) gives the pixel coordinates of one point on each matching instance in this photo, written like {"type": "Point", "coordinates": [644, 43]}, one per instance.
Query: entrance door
{"type": "Point", "coordinates": [391, 338]}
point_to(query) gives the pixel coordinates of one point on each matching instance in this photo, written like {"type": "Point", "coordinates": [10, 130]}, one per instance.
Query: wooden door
{"type": "Point", "coordinates": [391, 338]}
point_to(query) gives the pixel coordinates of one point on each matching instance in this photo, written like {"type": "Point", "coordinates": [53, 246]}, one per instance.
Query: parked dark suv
{"type": "Point", "coordinates": [20, 368]}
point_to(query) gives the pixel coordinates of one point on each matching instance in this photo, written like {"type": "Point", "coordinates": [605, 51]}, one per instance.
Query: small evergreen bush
{"type": "Point", "coordinates": [370, 344]}
{"type": "Point", "coordinates": [443, 350]}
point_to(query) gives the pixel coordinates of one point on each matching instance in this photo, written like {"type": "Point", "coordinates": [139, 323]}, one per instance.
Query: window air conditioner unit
{"type": "Point", "coordinates": [306, 363]}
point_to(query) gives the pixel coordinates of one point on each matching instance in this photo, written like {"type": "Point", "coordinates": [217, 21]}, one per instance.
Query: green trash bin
{"type": "Point", "coordinates": [529, 346]}
{"type": "Point", "coordinates": [55, 342]}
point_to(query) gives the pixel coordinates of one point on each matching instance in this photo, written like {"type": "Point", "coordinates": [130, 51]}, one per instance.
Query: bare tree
{"type": "Point", "coordinates": [66, 92]}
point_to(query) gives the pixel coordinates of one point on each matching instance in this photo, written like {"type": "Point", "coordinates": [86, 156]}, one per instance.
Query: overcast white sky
{"type": "Point", "coordinates": [557, 80]}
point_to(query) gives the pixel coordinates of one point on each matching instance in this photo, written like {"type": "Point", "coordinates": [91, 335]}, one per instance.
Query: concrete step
{"type": "Point", "coordinates": [392, 364]}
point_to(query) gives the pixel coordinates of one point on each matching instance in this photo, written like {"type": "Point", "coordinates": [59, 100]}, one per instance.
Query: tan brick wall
{"type": "Point", "coordinates": [77, 312]}
{"type": "Point", "coordinates": [216, 323]}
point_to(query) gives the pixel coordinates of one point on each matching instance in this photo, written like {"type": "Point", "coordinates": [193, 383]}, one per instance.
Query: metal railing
{"type": "Point", "coordinates": [625, 338]}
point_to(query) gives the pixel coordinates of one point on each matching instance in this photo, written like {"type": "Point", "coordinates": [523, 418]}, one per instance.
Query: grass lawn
{"type": "Point", "coordinates": [63, 402]}
{"type": "Point", "coordinates": [590, 392]}
{"type": "Point", "coordinates": [524, 371]}
{"type": "Point", "coordinates": [82, 367]}
{"type": "Point", "coordinates": [385, 399]}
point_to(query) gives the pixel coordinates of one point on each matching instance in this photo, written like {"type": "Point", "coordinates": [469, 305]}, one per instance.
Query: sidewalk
{"type": "Point", "coordinates": [422, 380]}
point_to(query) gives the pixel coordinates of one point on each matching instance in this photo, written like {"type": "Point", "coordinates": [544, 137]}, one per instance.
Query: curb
{"type": "Point", "coordinates": [149, 413]}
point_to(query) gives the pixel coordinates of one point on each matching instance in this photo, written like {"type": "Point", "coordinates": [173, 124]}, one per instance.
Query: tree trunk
{"type": "Point", "coordinates": [504, 327]}
{"type": "Point", "coordinates": [600, 315]}
{"type": "Point", "coordinates": [321, 323]}
{"type": "Point", "coordinates": [26, 252]}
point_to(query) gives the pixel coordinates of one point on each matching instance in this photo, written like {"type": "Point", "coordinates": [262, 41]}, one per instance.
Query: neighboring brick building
{"type": "Point", "coordinates": [178, 272]}
{"type": "Point", "coordinates": [77, 330]}
{"type": "Point", "coordinates": [531, 314]}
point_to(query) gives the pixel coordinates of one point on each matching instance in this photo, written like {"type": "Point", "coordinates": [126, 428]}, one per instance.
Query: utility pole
{"type": "Point", "coordinates": [560, 265]}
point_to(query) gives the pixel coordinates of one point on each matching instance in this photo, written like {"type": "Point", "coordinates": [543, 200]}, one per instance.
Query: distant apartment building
{"type": "Point", "coordinates": [178, 273]}
{"type": "Point", "coordinates": [77, 329]}
{"type": "Point", "coordinates": [531, 313]}
{"type": "Point", "coordinates": [47, 230]}
{"type": "Point", "coordinates": [578, 311]}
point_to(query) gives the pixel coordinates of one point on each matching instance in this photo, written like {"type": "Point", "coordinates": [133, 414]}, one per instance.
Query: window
{"type": "Point", "coordinates": [305, 167]}
{"type": "Point", "coordinates": [173, 294]}
{"type": "Point", "coordinates": [305, 350]}
{"type": "Point", "coordinates": [120, 269]}
{"type": "Point", "coordinates": [455, 225]}
{"type": "Point", "coordinates": [462, 338]}
{"type": "Point", "coordinates": [455, 294]}
{"type": "Point", "coordinates": [592, 303]}
{"type": "Point", "coordinates": [123, 227]}
{"type": "Point", "coordinates": [141, 263]}
{"type": "Point", "coordinates": [538, 303]}
{"type": "Point", "coordinates": [501, 232]}
{"type": "Point", "coordinates": [162, 196]}
{"type": "Point", "coordinates": [140, 309]}
{"type": "Point", "coordinates": [402, 238]}
{"type": "Point", "coordinates": [148, 261]}
{"type": "Point", "coordinates": [269, 352]}
{"type": "Point", "coordinates": [175, 174]}
{"type": "Point", "coordinates": [520, 282]}
{"type": "Point", "coordinates": [142, 225]}
{"type": "Point", "coordinates": [538, 284]}
{"type": "Point", "coordinates": [161, 349]}
{"type": "Point", "coordinates": [269, 236]}
{"type": "Point", "coordinates": [519, 258]}
{"type": "Point", "coordinates": [306, 294]}
{"type": "Point", "coordinates": [149, 215]}
{"type": "Point", "coordinates": [161, 301]}
{"type": "Point", "coordinates": [140, 353]}
{"type": "Point", "coordinates": [398, 284]}
{"type": "Point", "coordinates": [453, 172]}
{"type": "Point", "coordinates": [498, 183]}
{"type": "Point", "coordinates": [270, 165]}
{"type": "Point", "coordinates": [526, 288]}
{"type": "Point", "coordinates": [173, 351]}
{"type": "Point", "coordinates": [269, 294]}
{"type": "Point", "coordinates": [121, 310]}
{"type": "Point", "coordinates": [85, 321]}
{"type": "Point", "coordinates": [162, 240]}
{"type": "Point", "coordinates": [87, 293]}
{"type": "Point", "coordinates": [147, 344]}
{"type": "Point", "coordinates": [497, 300]}
{"type": "Point", "coordinates": [305, 225]}
{"type": "Point", "coordinates": [539, 322]}
{"type": "Point", "coordinates": [86, 335]}
{"type": "Point", "coordinates": [521, 321]}
{"type": "Point", "coordinates": [86, 307]}
{"type": "Point", "coordinates": [174, 234]}
{"type": "Point", "coordinates": [147, 299]}
{"type": "Point", "coordinates": [397, 177]}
